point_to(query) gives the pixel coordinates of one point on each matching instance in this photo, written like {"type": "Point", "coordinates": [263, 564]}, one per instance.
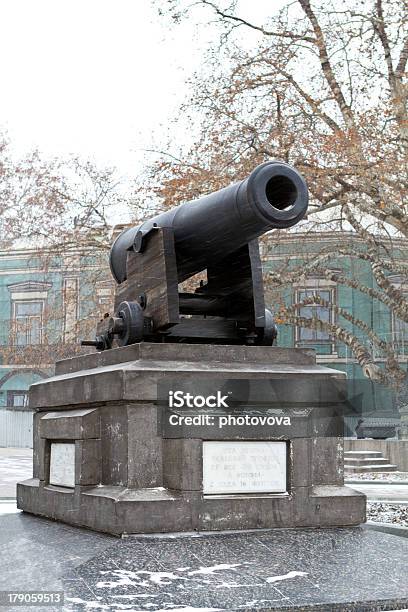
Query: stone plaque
{"type": "Point", "coordinates": [62, 464]}
{"type": "Point", "coordinates": [244, 467]}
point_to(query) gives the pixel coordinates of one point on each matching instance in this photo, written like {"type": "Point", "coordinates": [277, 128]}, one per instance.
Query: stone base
{"type": "Point", "coordinates": [120, 511]}
{"type": "Point", "coordinates": [130, 477]}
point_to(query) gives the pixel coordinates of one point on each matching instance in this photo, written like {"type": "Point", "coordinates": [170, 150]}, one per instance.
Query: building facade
{"type": "Point", "coordinates": [50, 301]}
{"type": "Point", "coordinates": [371, 400]}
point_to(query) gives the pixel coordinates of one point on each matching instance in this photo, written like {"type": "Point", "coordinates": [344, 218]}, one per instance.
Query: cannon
{"type": "Point", "coordinates": [210, 245]}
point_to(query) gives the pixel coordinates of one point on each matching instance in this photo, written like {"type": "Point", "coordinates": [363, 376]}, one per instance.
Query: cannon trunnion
{"type": "Point", "coordinates": [216, 234]}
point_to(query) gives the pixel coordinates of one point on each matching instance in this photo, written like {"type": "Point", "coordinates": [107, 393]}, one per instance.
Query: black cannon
{"type": "Point", "coordinates": [216, 234]}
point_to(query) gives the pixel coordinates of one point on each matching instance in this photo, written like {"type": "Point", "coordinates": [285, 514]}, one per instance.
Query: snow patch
{"type": "Point", "coordinates": [215, 568]}
{"type": "Point", "coordinates": [89, 605]}
{"type": "Point", "coordinates": [139, 578]}
{"type": "Point", "coordinates": [133, 595]}
{"type": "Point", "coordinates": [146, 578]}
{"type": "Point", "coordinates": [286, 576]}
{"type": "Point", "coordinates": [190, 609]}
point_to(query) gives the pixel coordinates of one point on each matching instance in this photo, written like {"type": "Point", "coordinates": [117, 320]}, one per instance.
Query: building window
{"type": "Point", "coordinates": [105, 294]}
{"type": "Point", "coordinates": [305, 336]}
{"type": "Point", "coordinates": [17, 399]}
{"type": "Point", "coordinates": [400, 335]}
{"type": "Point", "coordinates": [27, 311]}
{"type": "Point", "coordinates": [27, 322]}
{"type": "Point", "coordinates": [399, 328]}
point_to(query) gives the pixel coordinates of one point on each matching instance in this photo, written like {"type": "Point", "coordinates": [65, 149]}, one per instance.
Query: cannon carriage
{"type": "Point", "coordinates": [217, 233]}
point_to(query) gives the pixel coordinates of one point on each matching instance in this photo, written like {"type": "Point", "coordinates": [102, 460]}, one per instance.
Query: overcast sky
{"type": "Point", "coordinates": [99, 78]}
{"type": "Point", "coordinates": [94, 77]}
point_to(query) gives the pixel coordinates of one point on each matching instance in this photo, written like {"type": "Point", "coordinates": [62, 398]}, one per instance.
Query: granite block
{"type": "Point", "coordinates": [88, 462]}
{"type": "Point", "coordinates": [114, 444]}
{"type": "Point", "coordinates": [70, 424]}
{"type": "Point", "coordinates": [144, 447]}
{"type": "Point", "coordinates": [182, 464]}
{"type": "Point", "coordinates": [327, 465]}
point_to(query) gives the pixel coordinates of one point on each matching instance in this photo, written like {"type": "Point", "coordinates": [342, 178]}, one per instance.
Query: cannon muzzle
{"type": "Point", "coordinates": [274, 195]}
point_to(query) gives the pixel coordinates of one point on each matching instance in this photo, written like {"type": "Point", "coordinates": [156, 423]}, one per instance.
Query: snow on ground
{"type": "Point", "coordinates": [286, 576]}
{"type": "Point", "coordinates": [8, 506]}
{"type": "Point", "coordinates": [13, 468]}
{"type": "Point", "coordinates": [15, 464]}
{"type": "Point", "coordinates": [385, 476]}
{"type": "Point", "coordinates": [121, 577]}
{"type": "Point", "coordinates": [380, 512]}
{"type": "Point", "coordinates": [73, 602]}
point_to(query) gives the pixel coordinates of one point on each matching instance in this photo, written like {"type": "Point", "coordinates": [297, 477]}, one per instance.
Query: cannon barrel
{"type": "Point", "coordinates": [206, 230]}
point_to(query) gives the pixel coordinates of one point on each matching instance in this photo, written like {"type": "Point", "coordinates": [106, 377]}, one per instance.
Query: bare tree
{"type": "Point", "coordinates": [62, 211]}
{"type": "Point", "coordinates": [59, 203]}
{"type": "Point", "coordinates": [323, 87]}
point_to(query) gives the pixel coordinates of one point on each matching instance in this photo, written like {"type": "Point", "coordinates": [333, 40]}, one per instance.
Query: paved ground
{"type": "Point", "coordinates": [285, 569]}
{"type": "Point", "coordinates": [37, 553]}
{"type": "Point", "coordinates": [276, 569]}
{"type": "Point", "coordinates": [392, 492]}
{"type": "Point", "coordinates": [15, 464]}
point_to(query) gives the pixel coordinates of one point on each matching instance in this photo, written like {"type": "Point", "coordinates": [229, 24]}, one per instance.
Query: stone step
{"type": "Point", "coordinates": [373, 464]}
{"type": "Point", "coordinates": [366, 459]}
{"type": "Point", "coordinates": [385, 467]}
{"type": "Point", "coordinates": [365, 453]}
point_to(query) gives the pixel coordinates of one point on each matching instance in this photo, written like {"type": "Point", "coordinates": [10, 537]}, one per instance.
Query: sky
{"type": "Point", "coordinates": [99, 78]}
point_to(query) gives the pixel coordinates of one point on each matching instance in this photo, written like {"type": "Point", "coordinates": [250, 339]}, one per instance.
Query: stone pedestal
{"type": "Point", "coordinates": [103, 458]}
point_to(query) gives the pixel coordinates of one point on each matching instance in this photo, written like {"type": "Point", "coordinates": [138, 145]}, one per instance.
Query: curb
{"type": "Point", "coordinates": [390, 528]}
{"type": "Point", "coordinates": [377, 482]}
{"type": "Point", "coordinates": [393, 502]}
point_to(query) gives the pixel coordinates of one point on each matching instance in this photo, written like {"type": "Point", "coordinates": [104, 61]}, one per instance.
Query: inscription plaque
{"type": "Point", "coordinates": [244, 467]}
{"type": "Point", "coordinates": [62, 464]}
